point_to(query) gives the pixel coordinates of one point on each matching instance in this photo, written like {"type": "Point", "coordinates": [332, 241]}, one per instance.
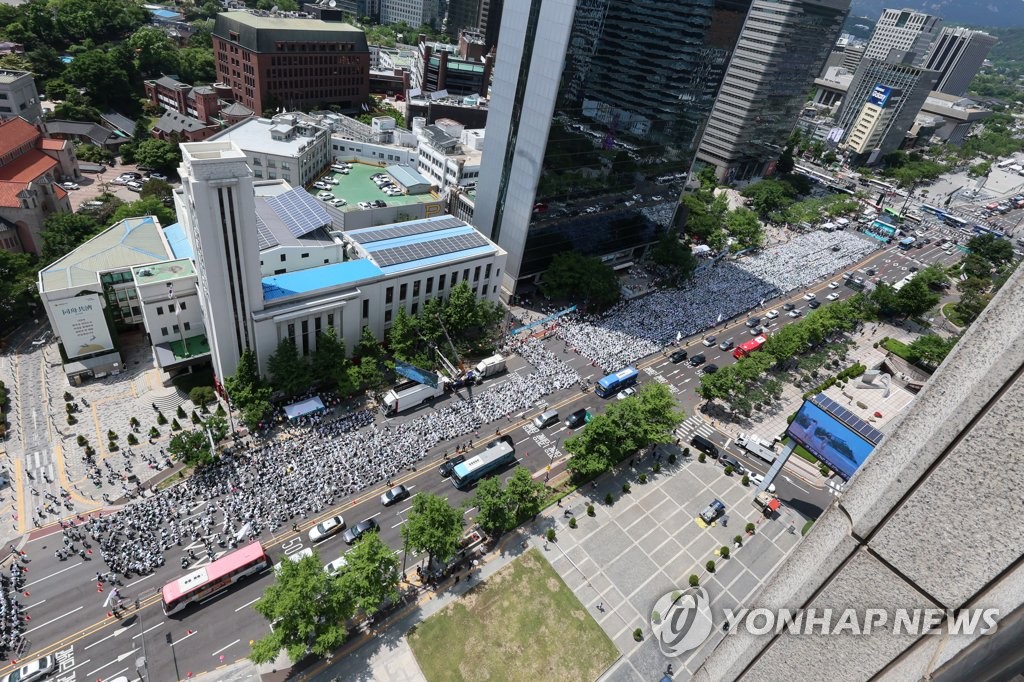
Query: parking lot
{"type": "Point", "coordinates": [647, 544]}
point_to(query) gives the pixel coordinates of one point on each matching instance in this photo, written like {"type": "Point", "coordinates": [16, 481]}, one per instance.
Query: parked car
{"type": "Point", "coordinates": [337, 203]}
{"type": "Point", "coordinates": [30, 672]}
{"type": "Point", "coordinates": [334, 568]}
{"type": "Point", "coordinates": [449, 464]}
{"type": "Point", "coordinates": [326, 528]}
{"type": "Point", "coordinates": [69, 185]}
{"type": "Point", "coordinates": [709, 341]}
{"type": "Point", "coordinates": [710, 369]}
{"type": "Point", "coordinates": [359, 530]}
{"type": "Point", "coordinates": [712, 511]}
{"type": "Point", "coordinates": [396, 494]}
{"type": "Point", "coordinates": [730, 461]}
{"type": "Point", "coordinates": [678, 357]}
{"type": "Point", "coordinates": [158, 176]}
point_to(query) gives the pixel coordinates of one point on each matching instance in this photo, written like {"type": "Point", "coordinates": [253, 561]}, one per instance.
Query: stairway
{"type": "Point", "coordinates": [167, 400]}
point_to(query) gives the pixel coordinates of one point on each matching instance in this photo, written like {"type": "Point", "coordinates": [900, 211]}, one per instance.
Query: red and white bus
{"type": "Point", "coordinates": [745, 349]}
{"type": "Point", "coordinates": [216, 576]}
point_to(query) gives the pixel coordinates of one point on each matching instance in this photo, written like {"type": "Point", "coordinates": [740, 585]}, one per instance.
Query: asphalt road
{"type": "Point", "coordinates": [68, 612]}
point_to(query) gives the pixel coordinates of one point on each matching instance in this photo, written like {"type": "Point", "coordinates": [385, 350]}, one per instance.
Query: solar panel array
{"type": "Point", "coordinates": [264, 236]}
{"type": "Point", "coordinates": [404, 230]}
{"type": "Point", "coordinates": [300, 211]}
{"type": "Point", "coordinates": [437, 247]}
{"type": "Point", "coordinates": [863, 429]}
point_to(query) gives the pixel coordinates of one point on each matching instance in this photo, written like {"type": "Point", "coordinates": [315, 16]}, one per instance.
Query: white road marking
{"type": "Point", "coordinates": [398, 524]}
{"type": "Point", "coordinates": [191, 634]}
{"type": "Point", "coordinates": [466, 513]}
{"type": "Point", "coordinates": [47, 577]}
{"type": "Point", "coordinates": [136, 582]}
{"type": "Point", "coordinates": [228, 646]}
{"type": "Point", "coordinates": [32, 606]}
{"type": "Point", "coordinates": [99, 641]}
{"type": "Point", "coordinates": [54, 620]}
{"type": "Point", "coordinates": [247, 604]}
{"type": "Point", "coordinates": [152, 627]}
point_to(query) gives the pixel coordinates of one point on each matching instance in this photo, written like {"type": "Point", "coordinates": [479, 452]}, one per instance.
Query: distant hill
{"type": "Point", "coordinates": [978, 13]}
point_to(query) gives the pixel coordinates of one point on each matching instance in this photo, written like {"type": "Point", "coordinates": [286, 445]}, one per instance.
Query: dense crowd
{"type": "Point", "coordinates": [639, 327]}
{"type": "Point", "coordinates": [278, 481]}
{"type": "Point", "coordinates": [11, 616]}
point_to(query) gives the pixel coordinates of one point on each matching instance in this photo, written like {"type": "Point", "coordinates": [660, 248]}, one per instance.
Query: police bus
{"type": "Point", "coordinates": [498, 454]}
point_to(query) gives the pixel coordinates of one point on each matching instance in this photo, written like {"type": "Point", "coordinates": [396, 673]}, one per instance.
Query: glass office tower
{"type": "Point", "coordinates": [596, 112]}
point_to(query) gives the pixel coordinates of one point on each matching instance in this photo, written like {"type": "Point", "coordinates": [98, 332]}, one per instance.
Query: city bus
{"type": "Point", "coordinates": [981, 229]}
{"type": "Point", "coordinates": [215, 577]}
{"type": "Point", "coordinates": [933, 210]}
{"type": "Point", "coordinates": [615, 382]}
{"type": "Point", "coordinates": [748, 347]}
{"type": "Point", "coordinates": [953, 221]}
{"type": "Point", "coordinates": [496, 456]}
{"type": "Point", "coordinates": [892, 212]}
{"type": "Point", "coordinates": [881, 185]}
{"type": "Point", "coordinates": [907, 243]}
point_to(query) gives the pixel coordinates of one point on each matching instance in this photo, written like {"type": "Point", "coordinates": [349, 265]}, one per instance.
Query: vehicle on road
{"type": "Point", "coordinates": [789, 306]}
{"type": "Point", "coordinates": [611, 384]}
{"type": "Point", "coordinates": [30, 672]}
{"type": "Point", "coordinates": [625, 393]}
{"type": "Point", "coordinates": [748, 347]}
{"type": "Point", "coordinates": [396, 494]}
{"type": "Point", "coordinates": [727, 344]}
{"type": "Point", "coordinates": [752, 322]}
{"type": "Point", "coordinates": [497, 455]}
{"type": "Point", "coordinates": [757, 479]}
{"type": "Point", "coordinates": [578, 418]}
{"type": "Point", "coordinates": [710, 369]}
{"type": "Point", "coordinates": [795, 312]}
{"type": "Point", "coordinates": [678, 357]}
{"type": "Point", "coordinates": [294, 557]}
{"type": "Point", "coordinates": [833, 296]}
{"type": "Point", "coordinates": [809, 296]}
{"type": "Point", "coordinates": [772, 314]}
{"type": "Point", "coordinates": [546, 419]}
{"type": "Point", "coordinates": [757, 447]}
{"type": "Point", "coordinates": [814, 304]}
{"type": "Point", "coordinates": [410, 394]}
{"type": "Point", "coordinates": [730, 461]}
{"type": "Point", "coordinates": [69, 185]}
{"type": "Point", "coordinates": [359, 530]}
{"type": "Point", "coordinates": [214, 577]}
{"type": "Point", "coordinates": [697, 360]}
{"type": "Point", "coordinates": [704, 445]}
{"type": "Point", "coordinates": [326, 528]}
{"type": "Point", "coordinates": [446, 467]}
{"type": "Point", "coordinates": [488, 367]}
{"type": "Point", "coordinates": [334, 568]}
{"type": "Point", "coordinates": [833, 285]}
{"type": "Point", "coordinates": [709, 341]}
{"type": "Point", "coordinates": [712, 511]}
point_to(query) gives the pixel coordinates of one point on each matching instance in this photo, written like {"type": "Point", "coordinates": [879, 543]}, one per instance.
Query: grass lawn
{"type": "Point", "coordinates": [523, 624]}
{"type": "Point", "coordinates": [899, 348]}
{"type": "Point", "coordinates": [801, 451]}
{"type": "Point", "coordinates": [949, 310]}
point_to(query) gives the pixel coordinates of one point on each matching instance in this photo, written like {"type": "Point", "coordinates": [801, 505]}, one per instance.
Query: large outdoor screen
{"type": "Point", "coordinates": [830, 440]}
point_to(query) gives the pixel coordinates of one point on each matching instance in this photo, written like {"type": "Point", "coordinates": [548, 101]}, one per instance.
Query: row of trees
{"type": "Point", "coordinates": [193, 446]}
{"type": "Point", "coordinates": [710, 221]}
{"type": "Point", "coordinates": [626, 427]}
{"type": "Point", "coordinates": [988, 264]}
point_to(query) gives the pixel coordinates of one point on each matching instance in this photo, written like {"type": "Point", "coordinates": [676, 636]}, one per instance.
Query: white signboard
{"type": "Point", "coordinates": [81, 325]}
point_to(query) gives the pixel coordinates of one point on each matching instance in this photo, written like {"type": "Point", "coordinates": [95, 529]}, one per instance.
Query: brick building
{"type": "Point", "coordinates": [272, 61]}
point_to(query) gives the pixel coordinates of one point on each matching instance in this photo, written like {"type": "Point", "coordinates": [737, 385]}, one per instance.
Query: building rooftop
{"type": "Point", "coordinates": [173, 122]}
{"type": "Point", "coordinates": [27, 167]}
{"type": "Point", "coordinates": [178, 241]}
{"type": "Point", "coordinates": [10, 75]}
{"type": "Point", "coordinates": [261, 32]}
{"type": "Point", "coordinates": [14, 133]}
{"type": "Point", "coordinates": [316, 279]}
{"type": "Point", "coordinates": [357, 186]}
{"type": "Point", "coordinates": [406, 176]}
{"type": "Point", "coordinates": [255, 134]}
{"type": "Point", "coordinates": [163, 272]}
{"type": "Point", "coordinates": [419, 243]}
{"type": "Point", "coordinates": [131, 242]}
{"type": "Point", "coordinates": [291, 217]}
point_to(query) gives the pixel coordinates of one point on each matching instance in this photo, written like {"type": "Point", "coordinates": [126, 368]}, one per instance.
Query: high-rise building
{"type": "Point", "coordinates": [415, 13]}
{"type": "Point", "coordinates": [957, 55]}
{"type": "Point", "coordinates": [880, 106]}
{"type": "Point", "coordinates": [918, 527]}
{"type": "Point", "coordinates": [490, 21]}
{"type": "Point", "coordinates": [272, 61]}
{"type": "Point", "coordinates": [905, 34]}
{"type": "Point", "coordinates": [591, 100]}
{"type": "Point", "coordinates": [780, 50]}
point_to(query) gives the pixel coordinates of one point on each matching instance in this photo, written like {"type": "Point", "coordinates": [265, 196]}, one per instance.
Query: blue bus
{"type": "Point", "coordinates": [497, 455]}
{"type": "Point", "coordinates": [954, 221]}
{"type": "Point", "coordinates": [615, 382]}
{"type": "Point", "coordinates": [907, 243]}
{"type": "Point", "coordinates": [981, 229]}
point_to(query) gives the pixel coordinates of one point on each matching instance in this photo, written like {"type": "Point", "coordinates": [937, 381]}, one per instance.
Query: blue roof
{"type": "Point", "coordinates": [178, 241]}
{"type": "Point", "coordinates": [164, 13]}
{"type": "Point", "coordinates": [314, 279]}
{"type": "Point", "coordinates": [406, 176]}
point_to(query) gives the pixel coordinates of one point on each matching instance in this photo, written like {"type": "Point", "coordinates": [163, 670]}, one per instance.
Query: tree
{"type": "Point", "coordinates": [744, 227]}
{"type": "Point", "coordinates": [916, 298]}
{"type": "Point", "coordinates": [17, 288]}
{"type": "Point", "coordinates": [465, 317]}
{"type": "Point", "coordinates": [329, 364]}
{"type": "Point", "coordinates": [433, 526]}
{"type": "Point", "coordinates": [786, 162]}
{"type": "Point", "coordinates": [155, 52]}
{"type": "Point", "coordinates": [524, 496]}
{"type": "Point", "coordinates": [980, 169]}
{"type": "Point", "coordinates": [769, 196]}
{"type": "Point", "coordinates": [370, 575]}
{"type": "Point", "coordinates": [704, 214]}
{"type": "Point", "coordinates": [159, 189]}
{"type": "Point", "coordinates": [144, 207]}
{"type": "Point", "coordinates": [159, 155]}
{"type": "Point", "coordinates": [289, 371]}
{"type": "Point", "coordinates": [996, 251]}
{"type": "Point", "coordinates": [677, 256]}
{"type": "Point", "coordinates": [247, 391]}
{"type": "Point", "coordinates": [64, 232]}
{"type": "Point", "coordinates": [932, 349]}
{"type": "Point", "coordinates": [191, 447]}
{"type": "Point", "coordinates": [217, 426]}
{"type": "Point", "coordinates": [494, 515]}
{"type": "Point", "coordinates": [103, 79]}
{"type": "Point", "coordinates": [196, 65]}
{"type": "Point", "coordinates": [307, 610]}
{"type": "Point", "coordinates": [573, 276]}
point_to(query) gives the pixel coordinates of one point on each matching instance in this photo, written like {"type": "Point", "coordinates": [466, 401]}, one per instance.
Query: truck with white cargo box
{"type": "Point", "coordinates": [488, 367]}
{"type": "Point", "coordinates": [757, 446]}
{"type": "Point", "coordinates": [411, 394]}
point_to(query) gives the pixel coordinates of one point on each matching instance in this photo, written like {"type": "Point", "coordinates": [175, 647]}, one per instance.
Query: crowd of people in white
{"type": "Point", "coordinates": [636, 328]}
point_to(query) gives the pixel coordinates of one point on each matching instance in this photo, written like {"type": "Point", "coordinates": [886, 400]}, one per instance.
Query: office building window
{"type": "Point", "coordinates": [174, 329]}
{"type": "Point", "coordinates": [387, 317]}
{"type": "Point", "coordinates": [181, 305]}
{"type": "Point", "coordinates": [305, 337]}
{"type": "Point", "coordinates": [415, 307]}
{"type": "Point", "coordinates": [430, 285]}
{"type": "Point", "coordinates": [389, 295]}
{"type": "Point", "coordinates": [163, 331]}
{"type": "Point", "coordinates": [402, 292]}
{"type": "Point", "coordinates": [316, 326]}
{"type": "Point", "coordinates": [282, 257]}
{"type": "Point", "coordinates": [366, 308]}
{"type": "Point", "coordinates": [487, 271]}
{"type": "Point", "coordinates": [476, 274]}
{"type": "Point", "coordinates": [415, 288]}
{"type": "Point", "coordinates": [188, 326]}
{"type": "Point", "coordinates": [330, 320]}
{"type": "Point", "coordinates": [465, 275]}
{"type": "Point", "coordinates": [440, 282]}
{"type": "Point", "coordinates": [291, 331]}
{"type": "Point", "coordinates": [170, 308]}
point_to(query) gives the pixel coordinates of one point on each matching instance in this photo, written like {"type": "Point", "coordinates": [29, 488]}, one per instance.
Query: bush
{"type": "Point", "coordinates": [112, 446]}
{"type": "Point", "coordinates": [750, 528]}
{"type": "Point", "coordinates": [710, 565]}
{"type": "Point", "coordinates": [111, 435]}
{"type": "Point", "coordinates": [134, 422]}
{"type": "Point", "coordinates": [572, 522]}
{"type": "Point", "coordinates": [81, 441]}
{"type": "Point", "coordinates": [824, 470]}
{"type": "Point", "coordinates": [745, 480]}
{"type": "Point", "coordinates": [180, 412]}
{"type": "Point", "coordinates": [195, 417]}
{"type": "Point", "coordinates": [175, 426]}
{"type": "Point", "coordinates": [638, 635]}
{"type": "Point", "coordinates": [161, 420]}
{"type": "Point", "coordinates": [702, 457]}
{"type": "Point", "coordinates": [790, 418]}
{"type": "Point", "coordinates": [608, 499]}
{"type": "Point", "coordinates": [694, 580]}
{"type": "Point", "coordinates": [550, 535]}
{"type": "Point", "coordinates": [738, 540]}
{"type": "Point", "coordinates": [69, 407]}
{"type": "Point", "coordinates": [724, 552]}
{"type": "Point", "coordinates": [590, 510]}
{"type": "Point", "coordinates": [132, 440]}
{"type": "Point", "coordinates": [729, 470]}
{"type": "Point", "coordinates": [89, 451]}
{"type": "Point", "coordinates": [625, 488]}
{"type": "Point", "coordinates": [68, 397]}
{"type": "Point", "coordinates": [656, 469]}
{"type": "Point", "coordinates": [71, 420]}
{"type": "Point", "coordinates": [220, 411]}
{"type": "Point", "coordinates": [642, 479]}
{"type": "Point", "coordinates": [153, 433]}
{"type": "Point", "coordinates": [672, 458]}
{"type": "Point", "coordinates": [201, 395]}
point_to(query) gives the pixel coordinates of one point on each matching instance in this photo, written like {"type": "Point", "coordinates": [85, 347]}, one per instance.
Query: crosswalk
{"type": "Point", "coordinates": [40, 466]}
{"type": "Point", "coordinates": [693, 424]}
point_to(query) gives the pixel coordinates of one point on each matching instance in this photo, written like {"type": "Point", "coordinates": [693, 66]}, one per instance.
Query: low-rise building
{"type": "Point", "coordinates": [18, 96]}
{"type": "Point", "coordinates": [86, 132]}
{"type": "Point", "coordinates": [293, 146]}
{"type": "Point", "coordinates": [953, 116]}
{"type": "Point", "coordinates": [463, 69]}
{"type": "Point", "coordinates": [449, 155]}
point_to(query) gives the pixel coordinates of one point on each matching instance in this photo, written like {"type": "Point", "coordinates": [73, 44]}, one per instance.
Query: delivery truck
{"type": "Point", "coordinates": [488, 367]}
{"type": "Point", "coordinates": [409, 395]}
{"type": "Point", "coordinates": [757, 446]}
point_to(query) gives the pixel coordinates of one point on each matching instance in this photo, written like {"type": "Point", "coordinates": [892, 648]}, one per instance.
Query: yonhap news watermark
{"type": "Point", "coordinates": [682, 621]}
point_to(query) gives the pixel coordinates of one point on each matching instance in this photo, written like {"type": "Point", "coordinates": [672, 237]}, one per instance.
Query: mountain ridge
{"type": "Point", "coordinates": [979, 14]}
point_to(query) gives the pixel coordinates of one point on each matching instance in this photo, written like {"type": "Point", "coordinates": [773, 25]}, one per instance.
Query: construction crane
{"type": "Point", "coordinates": [451, 345]}
{"type": "Point", "coordinates": [452, 370]}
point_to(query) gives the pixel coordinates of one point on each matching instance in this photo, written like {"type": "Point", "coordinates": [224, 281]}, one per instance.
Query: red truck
{"type": "Point", "coordinates": [745, 349]}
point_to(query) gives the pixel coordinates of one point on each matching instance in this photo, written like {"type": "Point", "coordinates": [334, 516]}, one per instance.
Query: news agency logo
{"type": "Point", "coordinates": [681, 620]}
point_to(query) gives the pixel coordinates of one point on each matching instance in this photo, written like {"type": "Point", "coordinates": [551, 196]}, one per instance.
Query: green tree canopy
{"type": "Point", "coordinates": [155, 52]}
{"type": "Point", "coordinates": [191, 447]}
{"type": "Point", "coordinates": [434, 527]}
{"type": "Point", "coordinates": [17, 287]}
{"type": "Point", "coordinates": [289, 371]}
{"type": "Point", "coordinates": [932, 349]}
{"type": "Point", "coordinates": [370, 576]}
{"type": "Point", "coordinates": [769, 196]}
{"type": "Point", "coordinates": [156, 188]}
{"type": "Point", "coordinates": [494, 515]}
{"type": "Point", "coordinates": [307, 610]}
{"type": "Point", "coordinates": [105, 81]}
{"type": "Point", "coordinates": [159, 155]}
{"type": "Point", "coordinates": [996, 251]}
{"type": "Point", "coordinates": [143, 207]}
{"type": "Point", "coordinates": [64, 232]}
{"type": "Point", "coordinates": [677, 256]}
{"type": "Point", "coordinates": [575, 277]}
{"type": "Point", "coordinates": [329, 364]}
{"type": "Point", "coordinates": [744, 227]}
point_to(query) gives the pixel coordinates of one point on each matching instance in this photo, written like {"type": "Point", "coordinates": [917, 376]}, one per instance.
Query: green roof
{"type": "Point", "coordinates": [131, 242]}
